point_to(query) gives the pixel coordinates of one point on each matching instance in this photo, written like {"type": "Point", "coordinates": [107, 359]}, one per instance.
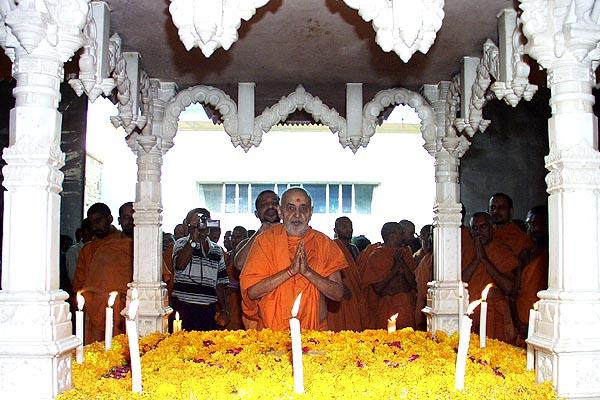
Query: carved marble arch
{"type": "Point", "coordinates": [396, 96]}
{"type": "Point", "coordinates": [299, 99]}
{"type": "Point", "coordinates": [200, 94]}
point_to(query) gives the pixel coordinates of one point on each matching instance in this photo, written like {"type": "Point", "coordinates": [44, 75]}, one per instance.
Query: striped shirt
{"type": "Point", "coordinates": [197, 282]}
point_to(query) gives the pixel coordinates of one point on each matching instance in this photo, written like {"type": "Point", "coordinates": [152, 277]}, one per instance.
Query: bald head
{"type": "Point", "coordinates": [343, 228]}
{"type": "Point", "coordinates": [391, 234]}
{"type": "Point", "coordinates": [295, 192]}
{"type": "Point", "coordinates": [481, 227]}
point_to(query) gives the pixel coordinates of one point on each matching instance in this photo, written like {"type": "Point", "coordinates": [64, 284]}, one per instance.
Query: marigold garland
{"type": "Point", "coordinates": [257, 365]}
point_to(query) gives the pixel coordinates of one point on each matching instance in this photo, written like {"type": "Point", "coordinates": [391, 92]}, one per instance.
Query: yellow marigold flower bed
{"type": "Point", "coordinates": [257, 365]}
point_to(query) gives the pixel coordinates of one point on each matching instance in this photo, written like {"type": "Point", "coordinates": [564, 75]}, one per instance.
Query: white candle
{"type": "Point", "coordinates": [108, 326]}
{"type": "Point", "coordinates": [391, 323]}
{"type": "Point", "coordinates": [297, 347]}
{"type": "Point", "coordinates": [79, 327]}
{"type": "Point", "coordinates": [463, 346]}
{"type": "Point", "coordinates": [533, 316]}
{"type": "Point", "coordinates": [176, 323]}
{"type": "Point", "coordinates": [134, 346]}
{"type": "Point", "coordinates": [483, 315]}
{"type": "Point", "coordinates": [461, 303]}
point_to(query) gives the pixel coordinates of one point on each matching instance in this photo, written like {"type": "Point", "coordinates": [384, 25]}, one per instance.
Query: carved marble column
{"type": "Point", "coordinates": [147, 258]}
{"type": "Point", "coordinates": [35, 325]}
{"type": "Point", "coordinates": [563, 38]}
{"type": "Point", "coordinates": [446, 291]}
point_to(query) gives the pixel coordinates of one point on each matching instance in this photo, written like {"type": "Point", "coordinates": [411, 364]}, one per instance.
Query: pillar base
{"type": "Point", "coordinates": [567, 343]}
{"type": "Point", "coordinates": [443, 306]}
{"type": "Point", "coordinates": [153, 314]}
{"type": "Point", "coordinates": [36, 344]}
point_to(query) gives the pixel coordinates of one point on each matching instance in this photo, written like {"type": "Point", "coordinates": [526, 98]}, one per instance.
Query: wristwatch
{"type": "Point", "coordinates": [193, 244]}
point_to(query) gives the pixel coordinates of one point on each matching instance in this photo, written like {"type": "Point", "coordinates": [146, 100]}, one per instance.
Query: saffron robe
{"type": "Point", "coordinates": [272, 252]}
{"type": "Point", "coordinates": [423, 275]}
{"type": "Point", "coordinates": [499, 321]}
{"type": "Point", "coordinates": [378, 267]}
{"type": "Point", "coordinates": [104, 265]}
{"type": "Point", "coordinates": [534, 277]}
{"type": "Point", "coordinates": [346, 314]}
{"type": "Point", "coordinates": [511, 235]}
{"type": "Point", "coordinates": [234, 298]}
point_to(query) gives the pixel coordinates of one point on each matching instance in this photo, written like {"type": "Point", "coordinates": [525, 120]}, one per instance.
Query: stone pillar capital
{"type": "Point", "coordinates": [559, 30]}
{"type": "Point", "coordinates": [53, 27]}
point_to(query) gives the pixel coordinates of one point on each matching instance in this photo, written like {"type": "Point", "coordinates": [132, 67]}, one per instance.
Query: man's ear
{"type": "Point", "coordinates": [256, 213]}
{"type": "Point", "coordinates": [110, 219]}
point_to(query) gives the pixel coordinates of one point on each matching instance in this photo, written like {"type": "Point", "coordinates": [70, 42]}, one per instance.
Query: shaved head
{"type": "Point", "coordinates": [295, 191]}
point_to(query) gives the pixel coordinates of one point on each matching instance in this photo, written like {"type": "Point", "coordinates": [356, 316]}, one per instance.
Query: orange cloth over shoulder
{"type": "Point", "coordinates": [378, 266]}
{"type": "Point", "coordinates": [104, 265]}
{"type": "Point", "coordinates": [234, 298]}
{"type": "Point", "coordinates": [423, 275]}
{"type": "Point", "coordinates": [167, 270]}
{"type": "Point", "coordinates": [272, 252]}
{"type": "Point", "coordinates": [499, 320]}
{"type": "Point", "coordinates": [511, 235]}
{"type": "Point", "coordinates": [534, 277]}
{"type": "Point", "coordinates": [346, 314]}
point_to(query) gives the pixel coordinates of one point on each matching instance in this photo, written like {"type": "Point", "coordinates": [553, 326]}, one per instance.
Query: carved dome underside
{"type": "Point", "coordinates": [321, 44]}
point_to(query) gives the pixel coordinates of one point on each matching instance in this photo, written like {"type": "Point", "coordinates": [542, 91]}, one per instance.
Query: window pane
{"type": "Point", "coordinates": [243, 196]}
{"type": "Point", "coordinates": [211, 196]}
{"type": "Point", "coordinates": [346, 199]}
{"type": "Point", "coordinates": [363, 194]}
{"type": "Point", "coordinates": [317, 192]}
{"type": "Point", "coordinates": [334, 198]}
{"type": "Point", "coordinates": [281, 187]}
{"type": "Point", "coordinates": [259, 187]}
{"type": "Point", "coordinates": [230, 198]}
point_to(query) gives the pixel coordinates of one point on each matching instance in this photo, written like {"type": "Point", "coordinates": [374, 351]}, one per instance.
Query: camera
{"type": "Point", "coordinates": [204, 222]}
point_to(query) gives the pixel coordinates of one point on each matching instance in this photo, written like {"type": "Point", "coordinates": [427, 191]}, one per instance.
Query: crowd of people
{"type": "Point", "coordinates": [345, 284]}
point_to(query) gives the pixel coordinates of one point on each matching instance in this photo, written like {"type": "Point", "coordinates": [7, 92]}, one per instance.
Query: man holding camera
{"type": "Point", "coordinates": [200, 276]}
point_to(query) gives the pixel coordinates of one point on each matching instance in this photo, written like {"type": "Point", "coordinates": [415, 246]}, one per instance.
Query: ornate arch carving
{"type": "Point", "coordinates": [200, 94]}
{"type": "Point", "coordinates": [299, 99]}
{"type": "Point", "coordinates": [399, 96]}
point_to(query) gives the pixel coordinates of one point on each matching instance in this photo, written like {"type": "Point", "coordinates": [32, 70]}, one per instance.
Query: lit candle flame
{"type": "Point", "coordinates": [393, 318]}
{"type": "Point", "coordinates": [473, 306]}
{"type": "Point", "coordinates": [80, 301]}
{"type": "Point", "coordinates": [535, 305]}
{"type": "Point", "coordinates": [296, 306]}
{"type": "Point", "coordinates": [484, 292]}
{"type": "Point", "coordinates": [111, 298]}
{"type": "Point", "coordinates": [176, 315]}
{"type": "Point", "coordinates": [132, 309]}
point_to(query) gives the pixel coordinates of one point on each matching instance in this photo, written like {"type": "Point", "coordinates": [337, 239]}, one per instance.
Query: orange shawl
{"type": "Point", "coordinates": [272, 252]}
{"type": "Point", "coordinates": [104, 265]}
{"type": "Point", "coordinates": [499, 320]}
{"type": "Point", "coordinates": [378, 266]}
{"type": "Point", "coordinates": [346, 314]}
{"type": "Point", "coordinates": [423, 275]}
{"type": "Point", "coordinates": [511, 235]}
{"type": "Point", "coordinates": [534, 278]}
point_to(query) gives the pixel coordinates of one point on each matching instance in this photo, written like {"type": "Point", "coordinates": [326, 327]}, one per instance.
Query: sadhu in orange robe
{"type": "Point", "coordinates": [346, 314]}
{"type": "Point", "coordinates": [511, 235]}
{"type": "Point", "coordinates": [499, 322]}
{"type": "Point", "coordinates": [104, 265]}
{"type": "Point", "coordinates": [272, 252]}
{"type": "Point", "coordinates": [378, 267]}
{"type": "Point", "coordinates": [234, 298]}
{"type": "Point", "coordinates": [534, 278]}
{"type": "Point", "coordinates": [423, 275]}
